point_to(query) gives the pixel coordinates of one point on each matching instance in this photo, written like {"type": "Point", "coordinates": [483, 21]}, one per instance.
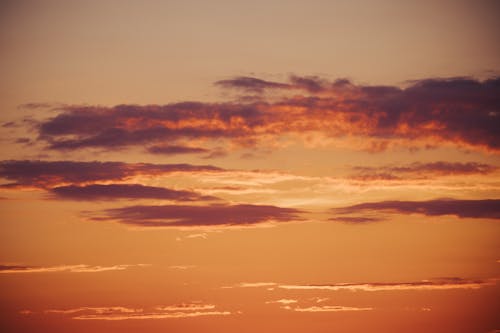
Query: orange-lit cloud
{"type": "Point", "coordinates": [17, 269]}
{"type": "Point", "coordinates": [458, 111]}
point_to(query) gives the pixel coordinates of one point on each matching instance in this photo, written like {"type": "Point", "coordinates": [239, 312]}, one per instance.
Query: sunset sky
{"type": "Point", "coordinates": [250, 166]}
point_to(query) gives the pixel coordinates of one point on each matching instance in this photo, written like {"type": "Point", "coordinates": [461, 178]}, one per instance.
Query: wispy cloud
{"type": "Point", "coordinates": [181, 267]}
{"type": "Point", "coordinates": [326, 308]}
{"type": "Point", "coordinates": [251, 285]}
{"type": "Point", "coordinates": [197, 216]}
{"type": "Point", "coordinates": [114, 313]}
{"type": "Point", "coordinates": [283, 301]}
{"type": "Point", "coordinates": [436, 284]}
{"type": "Point", "coordinates": [19, 269]}
{"type": "Point", "coordinates": [427, 113]}
{"type": "Point", "coordinates": [431, 284]}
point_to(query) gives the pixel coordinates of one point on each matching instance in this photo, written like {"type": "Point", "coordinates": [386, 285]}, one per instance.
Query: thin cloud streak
{"type": "Point", "coordinates": [117, 313]}
{"type": "Point", "coordinates": [438, 284]}
{"type": "Point", "coordinates": [327, 308]}
{"type": "Point", "coordinates": [19, 269]}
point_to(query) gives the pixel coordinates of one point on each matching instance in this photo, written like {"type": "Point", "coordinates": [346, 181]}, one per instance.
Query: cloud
{"type": "Point", "coordinates": [429, 112]}
{"type": "Point", "coordinates": [197, 216]}
{"type": "Point", "coordinates": [114, 313]}
{"type": "Point", "coordinates": [487, 208]}
{"type": "Point", "coordinates": [181, 267]}
{"type": "Point", "coordinates": [437, 284]}
{"type": "Point", "coordinates": [21, 269]}
{"type": "Point", "coordinates": [124, 191]}
{"type": "Point", "coordinates": [175, 150]}
{"type": "Point", "coordinates": [356, 219]}
{"type": "Point", "coordinates": [327, 308]}
{"type": "Point", "coordinates": [251, 285]}
{"type": "Point", "coordinates": [284, 301]}
{"type": "Point", "coordinates": [45, 174]}
{"type": "Point", "coordinates": [422, 170]}
{"type": "Point", "coordinates": [251, 84]}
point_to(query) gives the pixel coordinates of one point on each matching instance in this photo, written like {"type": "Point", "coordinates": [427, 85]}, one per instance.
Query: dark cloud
{"type": "Point", "coordinates": [52, 173]}
{"type": "Point", "coordinates": [15, 268]}
{"type": "Point", "coordinates": [175, 150]}
{"type": "Point", "coordinates": [459, 111]}
{"type": "Point", "coordinates": [422, 170]}
{"type": "Point", "coordinates": [312, 84]}
{"type": "Point", "coordinates": [488, 208]}
{"type": "Point", "coordinates": [197, 216]}
{"type": "Point", "coordinates": [124, 191]}
{"type": "Point", "coordinates": [356, 219]}
{"type": "Point", "coordinates": [251, 84]}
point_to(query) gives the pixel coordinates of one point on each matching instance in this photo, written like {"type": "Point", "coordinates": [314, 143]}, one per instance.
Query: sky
{"type": "Point", "coordinates": [263, 166]}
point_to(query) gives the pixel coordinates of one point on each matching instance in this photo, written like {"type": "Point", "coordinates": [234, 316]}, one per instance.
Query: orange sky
{"type": "Point", "coordinates": [266, 166]}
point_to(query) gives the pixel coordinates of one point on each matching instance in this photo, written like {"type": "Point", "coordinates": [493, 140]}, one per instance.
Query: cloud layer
{"type": "Point", "coordinates": [459, 111]}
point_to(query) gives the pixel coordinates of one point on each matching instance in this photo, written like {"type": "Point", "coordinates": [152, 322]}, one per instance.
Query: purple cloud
{"type": "Point", "coordinates": [124, 191]}
{"type": "Point", "coordinates": [52, 173]}
{"type": "Point", "coordinates": [197, 216]}
{"type": "Point", "coordinates": [487, 208]}
{"type": "Point", "coordinates": [459, 111]}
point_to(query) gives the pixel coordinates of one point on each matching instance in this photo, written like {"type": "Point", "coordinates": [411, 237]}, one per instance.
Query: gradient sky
{"type": "Point", "coordinates": [263, 166]}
